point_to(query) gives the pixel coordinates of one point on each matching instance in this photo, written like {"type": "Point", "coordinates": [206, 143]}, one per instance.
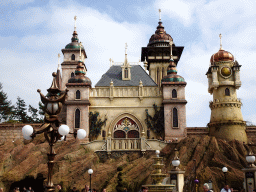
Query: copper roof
{"type": "Point", "coordinates": [222, 55]}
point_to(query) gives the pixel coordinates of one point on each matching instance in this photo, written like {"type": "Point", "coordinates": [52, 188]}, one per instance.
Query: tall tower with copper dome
{"type": "Point", "coordinates": [71, 58]}
{"type": "Point", "coordinates": [223, 80]}
{"type": "Point", "coordinates": [157, 53]}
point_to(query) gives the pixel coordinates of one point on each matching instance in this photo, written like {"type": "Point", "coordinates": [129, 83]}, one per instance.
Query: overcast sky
{"type": "Point", "coordinates": [32, 33]}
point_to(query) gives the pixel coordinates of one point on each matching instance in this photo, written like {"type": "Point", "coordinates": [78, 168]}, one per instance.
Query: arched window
{"type": "Point", "coordinates": [72, 74]}
{"type": "Point", "coordinates": [78, 95]}
{"type": "Point", "coordinates": [175, 117]}
{"type": "Point", "coordinates": [133, 134]}
{"type": "Point", "coordinates": [77, 118]}
{"type": "Point", "coordinates": [227, 92]}
{"type": "Point", "coordinates": [119, 134]}
{"type": "Point", "coordinates": [125, 73]}
{"type": "Point", "coordinates": [174, 93]}
{"type": "Point", "coordinates": [73, 57]}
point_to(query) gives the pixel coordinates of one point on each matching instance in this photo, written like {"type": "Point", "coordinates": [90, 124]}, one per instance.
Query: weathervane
{"type": "Point", "coordinates": [220, 42]}
{"type": "Point", "coordinates": [75, 22]}
{"type": "Point", "coordinates": [159, 15]}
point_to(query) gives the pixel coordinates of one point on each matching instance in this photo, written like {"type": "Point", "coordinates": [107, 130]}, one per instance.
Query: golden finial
{"type": "Point", "coordinates": [220, 42]}
{"type": "Point", "coordinates": [75, 18]}
{"type": "Point", "coordinates": [110, 62]}
{"type": "Point", "coordinates": [159, 15]}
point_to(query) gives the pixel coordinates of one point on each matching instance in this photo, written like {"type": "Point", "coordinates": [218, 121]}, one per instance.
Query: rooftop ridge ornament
{"type": "Point", "coordinates": [75, 18]}
{"type": "Point", "coordinates": [126, 48]}
{"type": "Point", "coordinates": [171, 43]}
{"type": "Point", "coordinates": [58, 61]}
{"type": "Point", "coordinates": [159, 15]}
{"type": "Point", "coordinates": [125, 60]}
{"type": "Point", "coordinates": [220, 42]}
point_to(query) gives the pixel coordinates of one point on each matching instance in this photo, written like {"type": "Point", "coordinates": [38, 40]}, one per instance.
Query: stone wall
{"type": "Point", "coordinates": [13, 131]}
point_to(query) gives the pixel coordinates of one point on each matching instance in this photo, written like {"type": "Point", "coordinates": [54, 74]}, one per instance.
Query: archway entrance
{"type": "Point", "coordinates": [126, 128]}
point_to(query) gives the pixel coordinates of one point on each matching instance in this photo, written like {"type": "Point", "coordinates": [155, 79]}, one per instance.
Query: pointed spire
{"type": "Point", "coordinates": [159, 15]}
{"type": "Point", "coordinates": [75, 23]}
{"type": "Point", "coordinates": [110, 62]}
{"type": "Point", "coordinates": [126, 61]}
{"type": "Point", "coordinates": [80, 45]}
{"type": "Point", "coordinates": [220, 42]}
{"type": "Point", "coordinates": [171, 56]}
{"type": "Point", "coordinates": [58, 61]}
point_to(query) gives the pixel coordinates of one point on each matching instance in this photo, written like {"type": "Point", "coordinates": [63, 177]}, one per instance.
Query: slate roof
{"type": "Point", "coordinates": [115, 74]}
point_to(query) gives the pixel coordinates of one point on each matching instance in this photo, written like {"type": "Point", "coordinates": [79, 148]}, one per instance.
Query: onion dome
{"type": "Point", "coordinates": [74, 42]}
{"type": "Point", "coordinates": [79, 77]}
{"type": "Point", "coordinates": [222, 55]}
{"type": "Point", "coordinates": [160, 35]}
{"type": "Point", "coordinates": [172, 77]}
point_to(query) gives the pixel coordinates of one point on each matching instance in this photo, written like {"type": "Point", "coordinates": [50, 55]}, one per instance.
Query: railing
{"type": "Point", "coordinates": [125, 92]}
{"type": "Point", "coordinates": [125, 144]}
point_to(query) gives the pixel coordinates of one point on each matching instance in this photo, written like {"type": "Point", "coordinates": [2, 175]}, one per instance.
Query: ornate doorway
{"type": "Point", "coordinates": [126, 128]}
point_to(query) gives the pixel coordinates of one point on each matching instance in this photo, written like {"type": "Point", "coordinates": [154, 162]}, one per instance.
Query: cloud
{"type": "Point", "coordinates": [15, 2]}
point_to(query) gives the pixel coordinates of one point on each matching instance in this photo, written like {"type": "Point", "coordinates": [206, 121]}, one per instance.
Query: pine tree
{"type": "Point", "coordinates": [34, 114]}
{"type": "Point", "coordinates": [21, 111]}
{"type": "Point", "coordinates": [6, 109]}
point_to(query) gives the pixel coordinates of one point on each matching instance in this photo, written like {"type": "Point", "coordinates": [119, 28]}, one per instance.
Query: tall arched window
{"type": "Point", "coordinates": [72, 74]}
{"type": "Point", "coordinates": [227, 92]}
{"type": "Point", "coordinates": [78, 95]}
{"type": "Point", "coordinates": [174, 93]}
{"type": "Point", "coordinates": [175, 117]}
{"type": "Point", "coordinates": [73, 57]}
{"type": "Point", "coordinates": [77, 118]}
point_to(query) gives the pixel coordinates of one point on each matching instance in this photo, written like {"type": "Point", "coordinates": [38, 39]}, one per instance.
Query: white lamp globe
{"type": "Point", "coordinates": [176, 163]}
{"type": "Point", "coordinates": [224, 169]}
{"type": "Point", "coordinates": [62, 138]}
{"type": "Point", "coordinates": [27, 137]}
{"type": "Point", "coordinates": [27, 130]}
{"type": "Point", "coordinates": [157, 152]}
{"type": "Point", "coordinates": [81, 134]}
{"type": "Point", "coordinates": [250, 158]}
{"type": "Point", "coordinates": [63, 130]}
{"type": "Point", "coordinates": [90, 171]}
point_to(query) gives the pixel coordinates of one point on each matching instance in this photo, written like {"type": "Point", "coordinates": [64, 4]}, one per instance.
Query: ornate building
{"type": "Point", "coordinates": [124, 94]}
{"type": "Point", "coordinates": [223, 80]}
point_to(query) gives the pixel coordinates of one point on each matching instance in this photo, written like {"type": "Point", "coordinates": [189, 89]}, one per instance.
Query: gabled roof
{"type": "Point", "coordinates": [115, 74]}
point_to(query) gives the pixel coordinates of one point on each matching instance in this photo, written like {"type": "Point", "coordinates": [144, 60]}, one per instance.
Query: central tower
{"type": "Point", "coordinates": [223, 81]}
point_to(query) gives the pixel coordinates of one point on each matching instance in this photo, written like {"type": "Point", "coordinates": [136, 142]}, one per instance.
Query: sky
{"type": "Point", "coordinates": [33, 32]}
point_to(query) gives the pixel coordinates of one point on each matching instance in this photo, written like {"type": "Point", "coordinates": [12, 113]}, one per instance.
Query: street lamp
{"type": "Point", "coordinates": [90, 171]}
{"type": "Point", "coordinates": [52, 128]}
{"type": "Point", "coordinates": [225, 170]}
{"type": "Point", "coordinates": [176, 161]}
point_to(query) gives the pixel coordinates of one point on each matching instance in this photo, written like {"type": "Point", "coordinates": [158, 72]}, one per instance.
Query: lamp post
{"type": "Point", "coordinates": [90, 171]}
{"type": "Point", "coordinates": [52, 128]}
{"type": "Point", "coordinates": [249, 172]}
{"type": "Point", "coordinates": [196, 181]}
{"type": "Point", "coordinates": [225, 170]}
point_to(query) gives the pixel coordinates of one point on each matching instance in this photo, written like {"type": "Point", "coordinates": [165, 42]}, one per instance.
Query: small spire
{"type": "Point", "coordinates": [126, 48]}
{"type": "Point", "coordinates": [171, 42]}
{"type": "Point", "coordinates": [145, 60]}
{"type": "Point", "coordinates": [220, 42]}
{"type": "Point", "coordinates": [75, 23]}
{"type": "Point", "coordinates": [110, 62]}
{"type": "Point", "coordinates": [80, 45]}
{"type": "Point", "coordinates": [58, 61]}
{"type": "Point", "coordinates": [125, 61]}
{"type": "Point", "coordinates": [159, 15]}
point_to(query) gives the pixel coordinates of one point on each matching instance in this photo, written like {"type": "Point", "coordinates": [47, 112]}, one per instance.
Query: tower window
{"type": "Point", "coordinates": [72, 74]}
{"type": "Point", "coordinates": [73, 57]}
{"type": "Point", "coordinates": [174, 93]}
{"type": "Point", "coordinates": [77, 118]}
{"type": "Point", "coordinates": [227, 92]}
{"type": "Point", "coordinates": [78, 94]}
{"type": "Point", "coordinates": [175, 117]}
{"type": "Point", "coordinates": [125, 73]}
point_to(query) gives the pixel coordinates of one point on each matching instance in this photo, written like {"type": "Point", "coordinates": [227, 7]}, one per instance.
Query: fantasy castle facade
{"type": "Point", "coordinates": [126, 91]}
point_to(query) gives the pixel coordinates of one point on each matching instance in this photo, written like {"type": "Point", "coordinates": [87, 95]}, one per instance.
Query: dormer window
{"type": "Point", "coordinates": [125, 73]}
{"type": "Point", "coordinates": [73, 57]}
